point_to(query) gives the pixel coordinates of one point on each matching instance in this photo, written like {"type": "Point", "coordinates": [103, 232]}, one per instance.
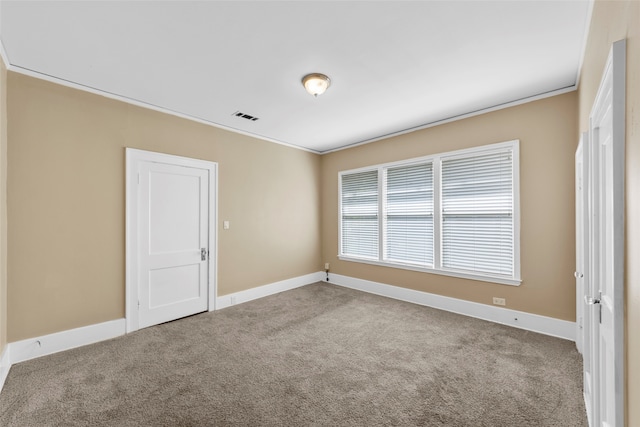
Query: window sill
{"type": "Point", "coordinates": [453, 273]}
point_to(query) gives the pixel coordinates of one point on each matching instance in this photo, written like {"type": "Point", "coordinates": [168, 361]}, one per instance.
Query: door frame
{"type": "Point", "coordinates": [586, 330]}
{"type": "Point", "coordinates": [133, 158]}
{"type": "Point", "coordinates": [582, 237]}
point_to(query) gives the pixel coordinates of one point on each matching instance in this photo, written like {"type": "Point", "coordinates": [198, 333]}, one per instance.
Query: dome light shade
{"type": "Point", "coordinates": [316, 83]}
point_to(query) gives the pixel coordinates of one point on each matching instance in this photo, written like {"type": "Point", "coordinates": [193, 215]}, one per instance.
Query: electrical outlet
{"type": "Point", "coordinates": [326, 265]}
{"type": "Point", "coordinates": [499, 301]}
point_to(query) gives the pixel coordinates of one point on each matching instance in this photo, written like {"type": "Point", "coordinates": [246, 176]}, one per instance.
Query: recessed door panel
{"type": "Point", "coordinates": [174, 285]}
{"type": "Point", "coordinates": [174, 212]}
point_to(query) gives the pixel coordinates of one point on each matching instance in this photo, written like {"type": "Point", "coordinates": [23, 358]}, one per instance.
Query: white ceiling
{"type": "Point", "coordinates": [394, 65]}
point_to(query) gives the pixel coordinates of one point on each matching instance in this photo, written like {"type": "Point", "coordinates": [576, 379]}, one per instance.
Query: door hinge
{"type": "Point", "coordinates": [138, 304]}
{"type": "Point", "coordinates": [204, 253]}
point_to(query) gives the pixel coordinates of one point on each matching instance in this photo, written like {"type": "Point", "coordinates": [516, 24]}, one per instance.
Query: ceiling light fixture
{"type": "Point", "coordinates": [316, 83]}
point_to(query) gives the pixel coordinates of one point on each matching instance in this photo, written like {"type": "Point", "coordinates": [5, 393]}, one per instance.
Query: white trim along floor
{"type": "Point", "coordinates": [31, 348]}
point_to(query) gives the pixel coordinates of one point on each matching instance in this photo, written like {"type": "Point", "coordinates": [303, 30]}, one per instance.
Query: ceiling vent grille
{"type": "Point", "coordinates": [245, 116]}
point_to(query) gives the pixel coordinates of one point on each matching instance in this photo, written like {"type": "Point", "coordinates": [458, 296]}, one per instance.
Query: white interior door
{"type": "Point", "coordinates": [606, 191]}
{"type": "Point", "coordinates": [584, 315]}
{"type": "Point", "coordinates": [168, 234]}
{"type": "Point", "coordinates": [173, 251]}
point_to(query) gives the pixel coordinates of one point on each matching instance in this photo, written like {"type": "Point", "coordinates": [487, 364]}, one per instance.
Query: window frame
{"type": "Point", "coordinates": [436, 160]}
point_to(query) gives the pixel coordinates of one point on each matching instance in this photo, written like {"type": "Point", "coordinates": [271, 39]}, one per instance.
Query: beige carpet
{"type": "Point", "coordinates": [320, 355]}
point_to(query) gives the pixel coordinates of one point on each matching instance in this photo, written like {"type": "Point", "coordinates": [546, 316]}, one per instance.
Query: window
{"type": "Point", "coordinates": [453, 213]}
{"type": "Point", "coordinates": [408, 214]}
{"type": "Point", "coordinates": [477, 213]}
{"type": "Point", "coordinates": [360, 214]}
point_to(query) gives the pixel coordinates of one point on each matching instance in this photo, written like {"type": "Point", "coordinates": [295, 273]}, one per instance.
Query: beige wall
{"type": "Point", "coordinates": [612, 21]}
{"type": "Point", "coordinates": [66, 204]}
{"type": "Point", "coordinates": [548, 139]}
{"type": "Point", "coordinates": [3, 206]}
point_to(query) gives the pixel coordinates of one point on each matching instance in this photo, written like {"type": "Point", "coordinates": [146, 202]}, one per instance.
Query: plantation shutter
{"type": "Point", "coordinates": [360, 214]}
{"type": "Point", "coordinates": [409, 214]}
{"type": "Point", "coordinates": [477, 213]}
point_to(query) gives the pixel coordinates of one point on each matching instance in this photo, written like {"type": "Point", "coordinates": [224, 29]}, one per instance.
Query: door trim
{"type": "Point", "coordinates": [581, 236]}
{"type": "Point", "coordinates": [133, 158]}
{"type": "Point", "coordinates": [612, 83]}
{"type": "Point", "coordinates": [618, 63]}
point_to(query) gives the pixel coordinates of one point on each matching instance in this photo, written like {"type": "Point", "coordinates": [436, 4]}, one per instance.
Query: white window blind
{"type": "Point", "coordinates": [452, 213]}
{"type": "Point", "coordinates": [477, 213]}
{"type": "Point", "coordinates": [408, 213]}
{"type": "Point", "coordinates": [360, 230]}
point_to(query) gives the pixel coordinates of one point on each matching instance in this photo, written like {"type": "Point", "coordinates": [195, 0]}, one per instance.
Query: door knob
{"type": "Point", "coordinates": [578, 275]}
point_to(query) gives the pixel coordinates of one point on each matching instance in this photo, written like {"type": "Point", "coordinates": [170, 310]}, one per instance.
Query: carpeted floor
{"type": "Point", "coordinates": [320, 355]}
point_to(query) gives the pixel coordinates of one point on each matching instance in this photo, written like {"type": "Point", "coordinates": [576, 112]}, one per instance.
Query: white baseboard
{"type": "Point", "coordinates": [31, 348]}
{"type": "Point", "coordinates": [266, 290]}
{"type": "Point", "coordinates": [48, 344]}
{"type": "Point", "coordinates": [5, 365]}
{"type": "Point", "coordinates": [519, 319]}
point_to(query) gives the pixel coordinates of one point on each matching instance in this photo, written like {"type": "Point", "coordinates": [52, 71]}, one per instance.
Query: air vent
{"type": "Point", "coordinates": [245, 116]}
